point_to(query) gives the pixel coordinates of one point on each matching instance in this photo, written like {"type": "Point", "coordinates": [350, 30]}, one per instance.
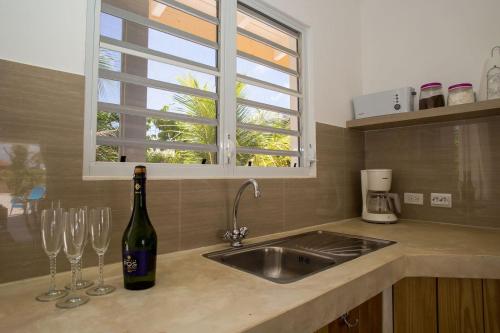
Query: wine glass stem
{"type": "Point", "coordinates": [101, 269]}
{"type": "Point", "coordinates": [79, 269]}
{"type": "Point", "coordinates": [73, 275]}
{"type": "Point", "coordinates": [52, 265]}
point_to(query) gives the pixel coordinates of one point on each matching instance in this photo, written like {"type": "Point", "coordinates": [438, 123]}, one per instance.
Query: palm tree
{"type": "Point", "coordinates": [178, 131]}
{"type": "Point", "coordinates": [170, 130]}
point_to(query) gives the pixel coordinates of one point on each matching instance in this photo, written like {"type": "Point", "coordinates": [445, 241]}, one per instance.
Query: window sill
{"type": "Point", "coordinates": [124, 171]}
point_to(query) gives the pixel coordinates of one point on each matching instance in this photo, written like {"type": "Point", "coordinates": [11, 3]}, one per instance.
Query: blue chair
{"type": "Point", "coordinates": [36, 194]}
{"type": "Point", "coordinates": [18, 202]}
{"type": "Point", "coordinates": [29, 202]}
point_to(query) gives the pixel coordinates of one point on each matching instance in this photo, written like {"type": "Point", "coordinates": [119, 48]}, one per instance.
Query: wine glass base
{"type": "Point", "coordinates": [72, 301]}
{"type": "Point", "coordinates": [51, 295]}
{"type": "Point", "coordinates": [80, 284]}
{"type": "Point", "coordinates": [100, 290]}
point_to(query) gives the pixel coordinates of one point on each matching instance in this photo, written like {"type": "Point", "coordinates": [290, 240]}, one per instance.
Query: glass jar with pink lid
{"type": "Point", "coordinates": [431, 96]}
{"type": "Point", "coordinates": [461, 93]}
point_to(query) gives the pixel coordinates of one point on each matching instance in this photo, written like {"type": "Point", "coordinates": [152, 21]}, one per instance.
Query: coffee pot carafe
{"type": "Point", "coordinates": [379, 206]}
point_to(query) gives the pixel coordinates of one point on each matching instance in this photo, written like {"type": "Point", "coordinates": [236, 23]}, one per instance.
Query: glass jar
{"type": "Point", "coordinates": [493, 83]}
{"type": "Point", "coordinates": [490, 80]}
{"type": "Point", "coordinates": [461, 93]}
{"type": "Point", "coordinates": [431, 96]}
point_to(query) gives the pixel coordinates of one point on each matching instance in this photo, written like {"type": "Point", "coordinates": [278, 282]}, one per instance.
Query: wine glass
{"type": "Point", "coordinates": [80, 282]}
{"type": "Point", "coordinates": [73, 241]}
{"type": "Point", "coordinates": [52, 233]}
{"type": "Point", "coordinates": [100, 232]}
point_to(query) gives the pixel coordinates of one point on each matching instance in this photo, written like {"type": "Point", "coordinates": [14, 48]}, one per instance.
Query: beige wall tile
{"type": "Point", "coordinates": [315, 201]}
{"type": "Point", "coordinates": [459, 157]}
{"type": "Point", "coordinates": [355, 162]}
{"type": "Point", "coordinates": [264, 215]}
{"type": "Point", "coordinates": [42, 111]}
{"type": "Point", "coordinates": [204, 212]}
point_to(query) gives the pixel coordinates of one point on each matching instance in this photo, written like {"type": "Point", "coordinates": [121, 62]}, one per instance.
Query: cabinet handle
{"type": "Point", "coordinates": [345, 318]}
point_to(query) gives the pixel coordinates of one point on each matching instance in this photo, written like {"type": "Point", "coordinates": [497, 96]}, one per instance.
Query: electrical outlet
{"type": "Point", "coordinates": [414, 198]}
{"type": "Point", "coordinates": [441, 200]}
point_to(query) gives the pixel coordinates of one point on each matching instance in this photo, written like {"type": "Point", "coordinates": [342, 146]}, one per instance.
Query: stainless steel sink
{"type": "Point", "coordinates": [293, 258]}
{"type": "Point", "coordinates": [277, 263]}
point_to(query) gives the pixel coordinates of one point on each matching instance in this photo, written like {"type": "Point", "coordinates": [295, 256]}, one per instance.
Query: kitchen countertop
{"type": "Point", "coordinates": [195, 294]}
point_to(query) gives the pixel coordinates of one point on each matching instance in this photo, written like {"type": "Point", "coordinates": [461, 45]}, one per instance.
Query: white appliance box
{"type": "Point", "coordinates": [383, 103]}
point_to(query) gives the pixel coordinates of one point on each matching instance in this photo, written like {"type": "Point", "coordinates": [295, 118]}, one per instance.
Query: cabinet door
{"type": "Point", "coordinates": [414, 305]}
{"type": "Point", "coordinates": [460, 305]}
{"type": "Point", "coordinates": [340, 326]}
{"type": "Point", "coordinates": [370, 315]}
{"type": "Point", "coordinates": [366, 318]}
{"type": "Point", "coordinates": [491, 303]}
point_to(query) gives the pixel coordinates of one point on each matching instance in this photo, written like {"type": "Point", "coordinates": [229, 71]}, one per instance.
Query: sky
{"type": "Point", "coordinates": [159, 41]}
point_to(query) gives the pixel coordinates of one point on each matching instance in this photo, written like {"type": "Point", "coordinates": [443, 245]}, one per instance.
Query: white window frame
{"type": "Point", "coordinates": [226, 167]}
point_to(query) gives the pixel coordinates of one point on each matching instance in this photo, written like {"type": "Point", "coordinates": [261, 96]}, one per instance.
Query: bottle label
{"type": "Point", "coordinates": [137, 188]}
{"type": "Point", "coordinates": [137, 263]}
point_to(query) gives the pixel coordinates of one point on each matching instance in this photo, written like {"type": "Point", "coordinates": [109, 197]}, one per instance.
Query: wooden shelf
{"type": "Point", "coordinates": [446, 113]}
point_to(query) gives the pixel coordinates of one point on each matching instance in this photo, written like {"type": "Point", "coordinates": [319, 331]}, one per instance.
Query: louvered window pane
{"type": "Point", "coordinates": [158, 90]}
{"type": "Point", "coordinates": [257, 27]}
{"type": "Point", "coordinates": [269, 99]}
{"type": "Point", "coordinates": [208, 7]}
{"type": "Point", "coordinates": [261, 72]}
{"type": "Point", "coordinates": [260, 160]}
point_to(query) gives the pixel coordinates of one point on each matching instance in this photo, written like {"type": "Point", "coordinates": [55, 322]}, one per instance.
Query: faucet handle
{"type": "Point", "coordinates": [227, 235]}
{"type": "Point", "coordinates": [243, 232]}
{"type": "Point", "coordinates": [235, 236]}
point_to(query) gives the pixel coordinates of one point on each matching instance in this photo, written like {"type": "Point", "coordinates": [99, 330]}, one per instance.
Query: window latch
{"type": "Point", "coordinates": [230, 148]}
{"type": "Point", "coordinates": [312, 156]}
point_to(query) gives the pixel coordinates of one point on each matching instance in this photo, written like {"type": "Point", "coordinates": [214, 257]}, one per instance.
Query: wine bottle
{"type": "Point", "coordinates": [139, 240]}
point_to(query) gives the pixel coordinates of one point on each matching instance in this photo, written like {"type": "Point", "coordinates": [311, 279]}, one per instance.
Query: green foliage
{"type": "Point", "coordinates": [106, 154]}
{"type": "Point", "coordinates": [172, 130]}
{"type": "Point", "coordinates": [107, 125]}
{"type": "Point", "coordinates": [177, 131]}
{"type": "Point", "coordinates": [24, 172]}
{"type": "Point", "coordinates": [272, 141]}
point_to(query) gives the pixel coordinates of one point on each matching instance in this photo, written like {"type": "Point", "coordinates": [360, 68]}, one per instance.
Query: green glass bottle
{"type": "Point", "coordinates": [139, 240]}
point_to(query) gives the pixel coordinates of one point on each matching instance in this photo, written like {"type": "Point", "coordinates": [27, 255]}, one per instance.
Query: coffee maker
{"type": "Point", "coordinates": [379, 206]}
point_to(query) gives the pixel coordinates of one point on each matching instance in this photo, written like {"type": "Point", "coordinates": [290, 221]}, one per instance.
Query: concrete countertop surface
{"type": "Point", "coordinates": [195, 294]}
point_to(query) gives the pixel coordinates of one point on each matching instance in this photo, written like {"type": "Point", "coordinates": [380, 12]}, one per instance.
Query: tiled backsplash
{"type": "Point", "coordinates": [461, 158]}
{"type": "Point", "coordinates": [41, 127]}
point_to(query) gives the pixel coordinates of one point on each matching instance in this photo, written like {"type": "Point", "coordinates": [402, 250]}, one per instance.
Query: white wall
{"type": "Point", "coordinates": [359, 46]}
{"type": "Point", "coordinates": [49, 33]}
{"type": "Point", "coordinates": [407, 42]}
{"type": "Point", "coordinates": [335, 55]}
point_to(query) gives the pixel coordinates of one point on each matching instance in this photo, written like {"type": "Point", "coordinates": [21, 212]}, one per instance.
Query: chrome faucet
{"type": "Point", "coordinates": [236, 235]}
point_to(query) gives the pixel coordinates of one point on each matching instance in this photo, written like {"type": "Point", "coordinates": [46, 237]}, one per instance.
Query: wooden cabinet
{"type": "Point", "coordinates": [446, 305]}
{"type": "Point", "coordinates": [460, 305]}
{"type": "Point", "coordinates": [366, 318]}
{"type": "Point", "coordinates": [415, 305]}
{"type": "Point", "coordinates": [430, 305]}
{"type": "Point", "coordinates": [491, 306]}
{"type": "Point", "coordinates": [370, 315]}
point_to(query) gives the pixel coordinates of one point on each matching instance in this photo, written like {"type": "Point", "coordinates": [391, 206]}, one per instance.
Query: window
{"type": "Point", "coordinates": [196, 89]}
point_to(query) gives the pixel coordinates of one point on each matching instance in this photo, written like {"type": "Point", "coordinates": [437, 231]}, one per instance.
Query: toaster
{"type": "Point", "coordinates": [385, 102]}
